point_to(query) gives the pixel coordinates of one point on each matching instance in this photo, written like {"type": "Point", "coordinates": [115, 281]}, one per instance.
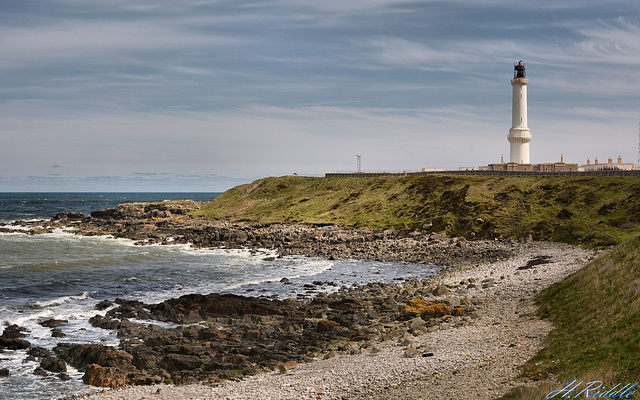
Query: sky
{"type": "Point", "coordinates": [202, 95]}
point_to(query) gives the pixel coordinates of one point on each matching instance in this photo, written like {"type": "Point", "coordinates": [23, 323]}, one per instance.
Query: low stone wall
{"type": "Point", "coordinates": [483, 173]}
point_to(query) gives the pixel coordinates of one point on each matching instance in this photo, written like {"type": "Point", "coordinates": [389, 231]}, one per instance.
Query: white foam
{"type": "Point", "coordinates": [16, 227]}
{"type": "Point", "coordinates": [16, 361]}
{"type": "Point", "coordinates": [21, 319]}
{"type": "Point", "coordinates": [309, 268]}
{"type": "Point", "coordinates": [240, 253]}
{"type": "Point", "coordinates": [61, 300]}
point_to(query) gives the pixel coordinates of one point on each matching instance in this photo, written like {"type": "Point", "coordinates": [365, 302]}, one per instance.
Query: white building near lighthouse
{"type": "Point", "coordinates": [519, 135]}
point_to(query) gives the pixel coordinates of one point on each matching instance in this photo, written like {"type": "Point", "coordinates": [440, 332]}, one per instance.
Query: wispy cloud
{"type": "Point", "coordinates": [450, 56]}
{"type": "Point", "coordinates": [614, 42]}
{"type": "Point", "coordinates": [97, 42]}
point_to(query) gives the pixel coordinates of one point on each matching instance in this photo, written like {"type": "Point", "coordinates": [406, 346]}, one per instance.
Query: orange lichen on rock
{"type": "Point", "coordinates": [427, 309]}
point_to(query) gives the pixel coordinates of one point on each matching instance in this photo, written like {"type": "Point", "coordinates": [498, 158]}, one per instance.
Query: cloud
{"type": "Point", "coordinates": [451, 56]}
{"type": "Point", "coordinates": [611, 43]}
{"type": "Point", "coordinates": [396, 51]}
{"type": "Point", "coordinates": [97, 42]}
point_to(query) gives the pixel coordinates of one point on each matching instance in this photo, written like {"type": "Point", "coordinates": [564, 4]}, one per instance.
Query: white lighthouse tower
{"type": "Point", "coordinates": [519, 135]}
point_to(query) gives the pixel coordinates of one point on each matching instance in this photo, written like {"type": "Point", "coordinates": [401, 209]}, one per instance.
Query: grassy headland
{"type": "Point", "coordinates": [591, 211]}
{"type": "Point", "coordinates": [596, 310]}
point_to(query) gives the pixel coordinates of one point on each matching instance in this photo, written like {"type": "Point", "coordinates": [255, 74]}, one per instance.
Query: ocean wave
{"type": "Point", "coordinates": [60, 300]}
{"type": "Point", "coordinates": [28, 318]}
{"type": "Point", "coordinates": [240, 253]}
{"type": "Point", "coordinates": [15, 227]}
{"type": "Point", "coordinates": [306, 269]}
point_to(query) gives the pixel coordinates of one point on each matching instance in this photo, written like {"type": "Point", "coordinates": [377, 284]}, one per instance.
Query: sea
{"type": "Point", "coordinates": [61, 275]}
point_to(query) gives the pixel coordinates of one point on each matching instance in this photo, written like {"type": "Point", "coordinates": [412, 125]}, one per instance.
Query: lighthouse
{"type": "Point", "coordinates": [519, 135]}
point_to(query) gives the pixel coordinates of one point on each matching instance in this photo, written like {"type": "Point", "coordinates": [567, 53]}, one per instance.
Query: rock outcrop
{"type": "Point", "coordinates": [228, 336]}
{"type": "Point", "coordinates": [11, 338]}
{"type": "Point", "coordinates": [169, 223]}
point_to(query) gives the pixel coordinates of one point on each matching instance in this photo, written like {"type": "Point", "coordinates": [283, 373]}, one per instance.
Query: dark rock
{"type": "Point", "coordinates": [100, 376]}
{"type": "Point", "coordinates": [128, 309]}
{"type": "Point", "coordinates": [197, 307]}
{"type": "Point", "coordinates": [64, 377]}
{"type": "Point", "coordinates": [81, 355]}
{"type": "Point", "coordinates": [540, 260]}
{"type": "Point", "coordinates": [99, 321]}
{"type": "Point", "coordinates": [327, 326]}
{"type": "Point", "coordinates": [4, 372]}
{"type": "Point", "coordinates": [13, 332]}
{"type": "Point", "coordinates": [53, 364]}
{"type": "Point", "coordinates": [14, 344]}
{"type": "Point", "coordinates": [57, 333]}
{"type": "Point", "coordinates": [181, 362]}
{"type": "Point", "coordinates": [144, 358]}
{"type": "Point", "coordinates": [54, 323]}
{"type": "Point", "coordinates": [68, 216]}
{"type": "Point", "coordinates": [40, 372]}
{"type": "Point", "coordinates": [346, 304]}
{"type": "Point", "coordinates": [39, 352]}
{"type": "Point", "coordinates": [103, 305]}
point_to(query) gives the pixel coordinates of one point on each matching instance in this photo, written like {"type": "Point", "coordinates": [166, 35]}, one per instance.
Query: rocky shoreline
{"type": "Point", "coordinates": [220, 338]}
{"type": "Point", "coordinates": [168, 223]}
{"type": "Point", "coordinates": [454, 358]}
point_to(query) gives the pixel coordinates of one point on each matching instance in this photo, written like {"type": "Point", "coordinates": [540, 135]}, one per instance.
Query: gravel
{"type": "Point", "coordinates": [466, 358]}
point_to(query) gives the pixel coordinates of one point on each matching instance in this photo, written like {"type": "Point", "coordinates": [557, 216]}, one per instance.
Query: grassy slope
{"type": "Point", "coordinates": [597, 309]}
{"type": "Point", "coordinates": [597, 314]}
{"type": "Point", "coordinates": [594, 211]}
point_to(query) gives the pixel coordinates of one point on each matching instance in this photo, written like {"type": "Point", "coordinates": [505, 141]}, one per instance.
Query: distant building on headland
{"type": "Point", "coordinates": [545, 167]}
{"type": "Point", "coordinates": [609, 165]}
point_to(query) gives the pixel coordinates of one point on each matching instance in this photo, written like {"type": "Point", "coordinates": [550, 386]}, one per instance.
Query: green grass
{"type": "Point", "coordinates": [596, 310]}
{"type": "Point", "coordinates": [592, 211]}
{"type": "Point", "coordinates": [597, 314]}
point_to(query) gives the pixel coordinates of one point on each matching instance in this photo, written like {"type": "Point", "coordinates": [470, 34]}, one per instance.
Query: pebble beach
{"type": "Point", "coordinates": [477, 359]}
